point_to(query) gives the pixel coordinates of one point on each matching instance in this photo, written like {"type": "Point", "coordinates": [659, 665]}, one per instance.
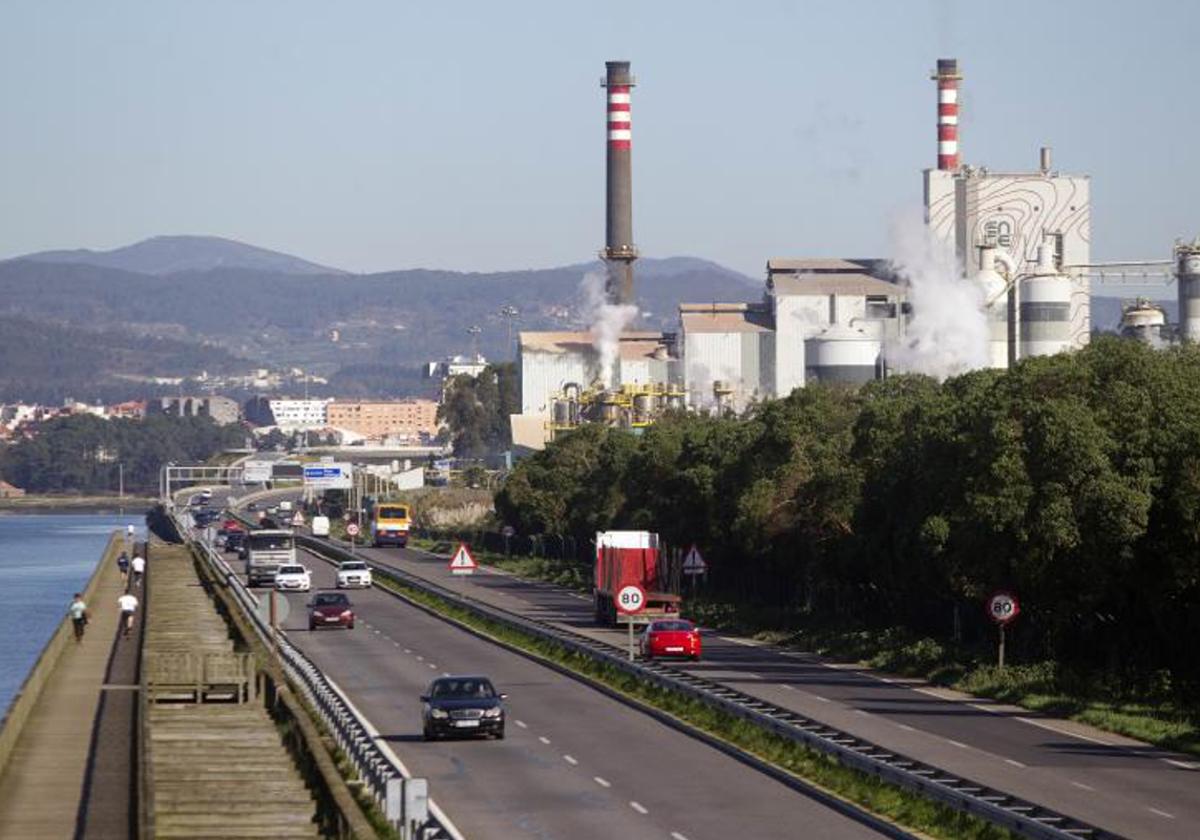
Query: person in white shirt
{"type": "Point", "coordinates": [129, 605]}
{"type": "Point", "coordinates": [138, 565]}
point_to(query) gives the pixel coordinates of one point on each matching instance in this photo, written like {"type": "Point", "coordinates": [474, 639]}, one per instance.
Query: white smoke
{"type": "Point", "coordinates": [948, 331]}
{"type": "Point", "coordinates": [606, 322]}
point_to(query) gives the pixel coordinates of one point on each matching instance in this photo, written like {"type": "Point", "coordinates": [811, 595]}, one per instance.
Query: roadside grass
{"type": "Point", "coordinates": [1039, 687]}
{"type": "Point", "coordinates": [894, 804]}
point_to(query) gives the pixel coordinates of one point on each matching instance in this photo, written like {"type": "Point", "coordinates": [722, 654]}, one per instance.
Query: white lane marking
{"type": "Point", "coordinates": [906, 727]}
{"type": "Point", "coordinates": [397, 644]}
{"type": "Point", "coordinates": [1042, 724]}
{"type": "Point", "coordinates": [888, 680]}
{"type": "Point", "coordinates": [420, 658]}
{"type": "Point", "coordinates": [1014, 763]}
{"type": "Point", "coordinates": [1082, 786]}
{"type": "Point", "coordinates": [788, 687]}
{"type": "Point", "coordinates": [445, 673]}
{"type": "Point", "coordinates": [861, 712]}
{"type": "Point", "coordinates": [570, 760]}
{"type": "Point", "coordinates": [822, 699]}
{"type": "Point", "coordinates": [521, 724]}
{"type": "Point", "coordinates": [742, 642]}
{"type": "Point", "coordinates": [601, 782]}
{"type": "Point", "coordinates": [406, 650]}
{"type": "Point", "coordinates": [675, 835]}
{"type": "Point", "coordinates": [1162, 813]}
{"type": "Point", "coordinates": [1186, 765]}
{"type": "Point", "coordinates": [432, 667]}
{"type": "Point", "coordinates": [641, 809]}
{"type": "Point", "coordinates": [958, 744]}
{"type": "Point", "coordinates": [543, 739]}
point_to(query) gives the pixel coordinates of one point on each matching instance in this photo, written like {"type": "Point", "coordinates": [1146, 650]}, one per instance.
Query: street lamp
{"type": "Point", "coordinates": [509, 313]}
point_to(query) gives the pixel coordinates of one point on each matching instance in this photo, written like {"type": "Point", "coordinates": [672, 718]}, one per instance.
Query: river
{"type": "Point", "coordinates": [45, 558]}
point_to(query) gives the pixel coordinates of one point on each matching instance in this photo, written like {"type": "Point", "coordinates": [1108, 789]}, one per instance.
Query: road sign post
{"type": "Point", "coordinates": [352, 532]}
{"type": "Point", "coordinates": [1002, 608]}
{"type": "Point", "coordinates": [693, 565]}
{"type": "Point", "coordinates": [631, 600]}
{"type": "Point", "coordinates": [462, 563]}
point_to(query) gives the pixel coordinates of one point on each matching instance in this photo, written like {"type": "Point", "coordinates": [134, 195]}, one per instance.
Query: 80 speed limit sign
{"type": "Point", "coordinates": [631, 599]}
{"type": "Point", "coordinates": [1002, 607]}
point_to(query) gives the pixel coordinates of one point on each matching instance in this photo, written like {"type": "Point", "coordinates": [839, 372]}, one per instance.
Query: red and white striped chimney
{"type": "Point", "coordinates": [947, 78]}
{"type": "Point", "coordinates": [619, 251]}
{"type": "Point", "coordinates": [619, 127]}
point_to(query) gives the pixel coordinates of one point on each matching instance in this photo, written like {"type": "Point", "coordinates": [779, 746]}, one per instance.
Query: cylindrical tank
{"type": "Point", "coordinates": [1144, 321]}
{"type": "Point", "coordinates": [562, 412]}
{"type": "Point", "coordinates": [842, 354]}
{"type": "Point", "coordinates": [1045, 308]}
{"type": "Point", "coordinates": [995, 306]}
{"type": "Point", "coordinates": [1188, 275]}
{"type": "Point", "coordinates": [643, 408]}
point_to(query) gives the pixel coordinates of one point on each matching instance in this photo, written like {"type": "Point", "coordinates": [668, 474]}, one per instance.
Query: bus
{"type": "Point", "coordinates": [390, 524]}
{"type": "Point", "coordinates": [266, 551]}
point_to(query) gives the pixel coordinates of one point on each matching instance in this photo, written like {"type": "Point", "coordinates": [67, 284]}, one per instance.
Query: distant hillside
{"type": "Point", "coordinates": [172, 254]}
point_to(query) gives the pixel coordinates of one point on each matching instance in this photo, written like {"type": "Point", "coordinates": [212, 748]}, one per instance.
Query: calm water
{"type": "Point", "coordinates": [44, 560]}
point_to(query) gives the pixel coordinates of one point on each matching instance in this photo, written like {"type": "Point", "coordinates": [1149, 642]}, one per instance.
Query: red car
{"type": "Point", "coordinates": [670, 637]}
{"type": "Point", "coordinates": [330, 609]}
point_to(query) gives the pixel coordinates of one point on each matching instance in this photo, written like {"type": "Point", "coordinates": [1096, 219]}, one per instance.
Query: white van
{"type": "Point", "coordinates": [320, 526]}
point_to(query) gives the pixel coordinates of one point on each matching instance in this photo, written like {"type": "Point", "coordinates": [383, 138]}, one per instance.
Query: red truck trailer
{"type": "Point", "coordinates": [625, 557]}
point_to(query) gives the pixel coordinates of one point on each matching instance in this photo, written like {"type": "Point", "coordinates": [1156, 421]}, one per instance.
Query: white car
{"type": "Point", "coordinates": [295, 578]}
{"type": "Point", "coordinates": [352, 573]}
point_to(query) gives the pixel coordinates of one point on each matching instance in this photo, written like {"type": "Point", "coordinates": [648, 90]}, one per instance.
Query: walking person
{"type": "Point", "coordinates": [79, 616]}
{"type": "Point", "coordinates": [138, 564]}
{"type": "Point", "coordinates": [129, 605]}
{"type": "Point", "coordinates": [123, 565]}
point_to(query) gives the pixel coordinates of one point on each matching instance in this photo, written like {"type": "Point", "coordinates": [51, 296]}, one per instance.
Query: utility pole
{"type": "Point", "coordinates": [509, 313]}
{"type": "Point", "coordinates": [120, 481]}
{"type": "Point", "coordinates": [474, 330]}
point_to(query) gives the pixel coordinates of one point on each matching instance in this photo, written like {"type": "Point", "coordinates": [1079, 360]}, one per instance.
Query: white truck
{"type": "Point", "coordinates": [266, 551]}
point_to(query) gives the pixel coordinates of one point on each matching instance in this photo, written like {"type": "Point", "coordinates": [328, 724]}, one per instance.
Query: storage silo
{"type": "Point", "coordinates": [995, 302]}
{"type": "Point", "coordinates": [1145, 321]}
{"type": "Point", "coordinates": [1188, 274]}
{"type": "Point", "coordinates": [841, 353]}
{"type": "Point", "coordinates": [1045, 297]}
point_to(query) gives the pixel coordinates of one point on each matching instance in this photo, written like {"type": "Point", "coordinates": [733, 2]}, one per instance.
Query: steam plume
{"type": "Point", "coordinates": [606, 322]}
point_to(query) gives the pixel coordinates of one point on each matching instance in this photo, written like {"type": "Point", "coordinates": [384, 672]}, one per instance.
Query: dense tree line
{"type": "Point", "coordinates": [84, 453]}
{"type": "Point", "coordinates": [1073, 480]}
{"type": "Point", "coordinates": [476, 410]}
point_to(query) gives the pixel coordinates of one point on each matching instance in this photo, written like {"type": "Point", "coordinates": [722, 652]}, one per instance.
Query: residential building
{"type": "Point", "coordinates": [413, 419]}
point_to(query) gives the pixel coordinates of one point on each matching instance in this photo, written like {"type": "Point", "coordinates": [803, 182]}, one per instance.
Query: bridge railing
{"type": "Point", "coordinates": [389, 783]}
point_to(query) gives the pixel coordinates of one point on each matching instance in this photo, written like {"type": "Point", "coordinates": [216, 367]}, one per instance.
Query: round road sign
{"type": "Point", "coordinates": [631, 599]}
{"type": "Point", "coordinates": [352, 529]}
{"type": "Point", "coordinates": [1002, 607]}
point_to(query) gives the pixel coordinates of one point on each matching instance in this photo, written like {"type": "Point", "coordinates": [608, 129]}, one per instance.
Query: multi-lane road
{"type": "Point", "coordinates": [1103, 779]}
{"type": "Point", "coordinates": [574, 764]}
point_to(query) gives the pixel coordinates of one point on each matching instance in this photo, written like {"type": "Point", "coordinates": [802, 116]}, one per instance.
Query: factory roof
{"type": "Point", "coordinates": [724, 318]}
{"type": "Point", "coordinates": [818, 265]}
{"type": "Point", "coordinates": [632, 345]}
{"type": "Point", "coordinates": [833, 284]}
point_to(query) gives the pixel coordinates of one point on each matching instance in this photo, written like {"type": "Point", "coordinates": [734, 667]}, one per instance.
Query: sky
{"type": "Point", "coordinates": [470, 135]}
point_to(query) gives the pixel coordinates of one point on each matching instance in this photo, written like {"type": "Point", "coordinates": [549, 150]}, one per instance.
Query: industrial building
{"type": "Point", "coordinates": [222, 410]}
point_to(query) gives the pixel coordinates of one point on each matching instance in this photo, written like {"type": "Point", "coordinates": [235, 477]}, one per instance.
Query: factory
{"type": "Point", "coordinates": [1021, 239]}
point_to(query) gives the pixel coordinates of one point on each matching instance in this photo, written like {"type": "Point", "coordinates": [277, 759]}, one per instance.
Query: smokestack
{"type": "Point", "coordinates": [947, 78]}
{"type": "Point", "coordinates": [619, 251]}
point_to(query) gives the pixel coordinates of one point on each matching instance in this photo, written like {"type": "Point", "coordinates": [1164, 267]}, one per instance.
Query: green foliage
{"type": "Point", "coordinates": [82, 453]}
{"type": "Point", "coordinates": [1072, 479]}
{"type": "Point", "coordinates": [477, 408]}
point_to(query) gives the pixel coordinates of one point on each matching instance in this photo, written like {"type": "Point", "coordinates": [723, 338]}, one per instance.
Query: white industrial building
{"type": "Point", "coordinates": [293, 415]}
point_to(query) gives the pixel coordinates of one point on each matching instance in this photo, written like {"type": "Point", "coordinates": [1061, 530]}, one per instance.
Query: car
{"type": "Point", "coordinates": [252, 506]}
{"type": "Point", "coordinates": [235, 540]}
{"type": "Point", "coordinates": [330, 609]}
{"type": "Point", "coordinates": [670, 637]}
{"type": "Point", "coordinates": [294, 577]}
{"type": "Point", "coordinates": [353, 573]}
{"type": "Point", "coordinates": [462, 705]}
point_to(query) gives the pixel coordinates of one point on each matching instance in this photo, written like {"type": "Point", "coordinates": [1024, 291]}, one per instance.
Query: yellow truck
{"type": "Point", "coordinates": [390, 525]}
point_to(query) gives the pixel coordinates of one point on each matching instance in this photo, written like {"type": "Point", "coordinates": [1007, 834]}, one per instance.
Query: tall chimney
{"type": "Point", "coordinates": [947, 78]}
{"type": "Point", "coordinates": [619, 251]}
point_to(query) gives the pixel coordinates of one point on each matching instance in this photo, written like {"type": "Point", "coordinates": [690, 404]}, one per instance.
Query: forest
{"type": "Point", "coordinates": [1071, 480]}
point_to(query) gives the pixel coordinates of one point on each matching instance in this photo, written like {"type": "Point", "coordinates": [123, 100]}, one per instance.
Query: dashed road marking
{"type": "Point", "coordinates": [1013, 762]}
{"type": "Point", "coordinates": [1162, 813]}
{"type": "Point", "coordinates": [420, 658]}
{"type": "Point", "coordinates": [1186, 765]}
{"type": "Point", "coordinates": [958, 744]}
{"type": "Point", "coordinates": [521, 724]}
{"type": "Point", "coordinates": [432, 667]}
{"type": "Point", "coordinates": [570, 760]}
{"type": "Point", "coordinates": [543, 739]}
{"type": "Point", "coordinates": [906, 727]}
{"type": "Point", "coordinates": [406, 650]}
{"type": "Point", "coordinates": [675, 835]}
{"type": "Point", "coordinates": [1082, 786]}
{"type": "Point", "coordinates": [862, 712]}
{"type": "Point", "coordinates": [788, 687]}
{"type": "Point", "coordinates": [445, 673]}
{"type": "Point", "coordinates": [822, 699]}
{"type": "Point", "coordinates": [601, 782]}
{"type": "Point", "coordinates": [639, 807]}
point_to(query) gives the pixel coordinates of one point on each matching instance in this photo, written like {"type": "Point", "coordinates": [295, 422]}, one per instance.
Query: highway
{"type": "Point", "coordinates": [574, 764]}
{"type": "Point", "coordinates": [1101, 778]}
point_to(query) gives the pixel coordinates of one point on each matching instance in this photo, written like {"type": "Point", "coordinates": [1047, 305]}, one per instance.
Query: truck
{"type": "Point", "coordinates": [634, 557]}
{"type": "Point", "coordinates": [266, 551]}
{"type": "Point", "coordinates": [390, 525]}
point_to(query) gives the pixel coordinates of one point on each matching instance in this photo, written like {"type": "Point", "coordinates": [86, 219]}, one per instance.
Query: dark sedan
{"type": "Point", "coordinates": [462, 706]}
{"type": "Point", "coordinates": [330, 609]}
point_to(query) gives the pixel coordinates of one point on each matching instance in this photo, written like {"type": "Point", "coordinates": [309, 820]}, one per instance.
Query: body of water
{"type": "Point", "coordinates": [44, 560]}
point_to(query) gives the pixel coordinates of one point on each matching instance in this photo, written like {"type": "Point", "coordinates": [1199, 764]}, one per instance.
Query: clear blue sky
{"type": "Point", "coordinates": [470, 135]}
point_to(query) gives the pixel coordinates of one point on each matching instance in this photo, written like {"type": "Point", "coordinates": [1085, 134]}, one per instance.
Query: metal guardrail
{"type": "Point", "coordinates": [1025, 818]}
{"type": "Point", "coordinates": [382, 776]}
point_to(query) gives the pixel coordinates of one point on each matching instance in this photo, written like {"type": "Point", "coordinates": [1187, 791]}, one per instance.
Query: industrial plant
{"type": "Point", "coordinates": [1017, 266]}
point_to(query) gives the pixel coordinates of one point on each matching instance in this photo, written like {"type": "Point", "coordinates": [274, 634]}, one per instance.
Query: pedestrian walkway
{"type": "Point", "coordinates": [42, 786]}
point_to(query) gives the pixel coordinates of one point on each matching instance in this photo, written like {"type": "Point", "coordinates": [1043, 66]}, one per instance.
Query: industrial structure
{"type": "Point", "coordinates": [1022, 238]}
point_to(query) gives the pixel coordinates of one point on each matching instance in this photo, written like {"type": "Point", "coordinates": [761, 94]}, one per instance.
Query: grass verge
{"type": "Point", "coordinates": [894, 804]}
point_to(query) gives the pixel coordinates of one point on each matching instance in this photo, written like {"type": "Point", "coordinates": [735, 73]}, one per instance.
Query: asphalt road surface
{"type": "Point", "coordinates": [1127, 788]}
{"type": "Point", "coordinates": [575, 764]}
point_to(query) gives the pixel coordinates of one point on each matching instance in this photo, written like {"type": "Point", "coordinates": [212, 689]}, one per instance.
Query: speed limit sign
{"type": "Point", "coordinates": [352, 529]}
{"type": "Point", "coordinates": [1002, 607]}
{"type": "Point", "coordinates": [630, 599]}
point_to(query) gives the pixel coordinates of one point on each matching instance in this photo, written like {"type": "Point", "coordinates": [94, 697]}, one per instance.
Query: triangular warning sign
{"type": "Point", "coordinates": [693, 563]}
{"type": "Point", "coordinates": [298, 519]}
{"type": "Point", "coordinates": [462, 563]}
